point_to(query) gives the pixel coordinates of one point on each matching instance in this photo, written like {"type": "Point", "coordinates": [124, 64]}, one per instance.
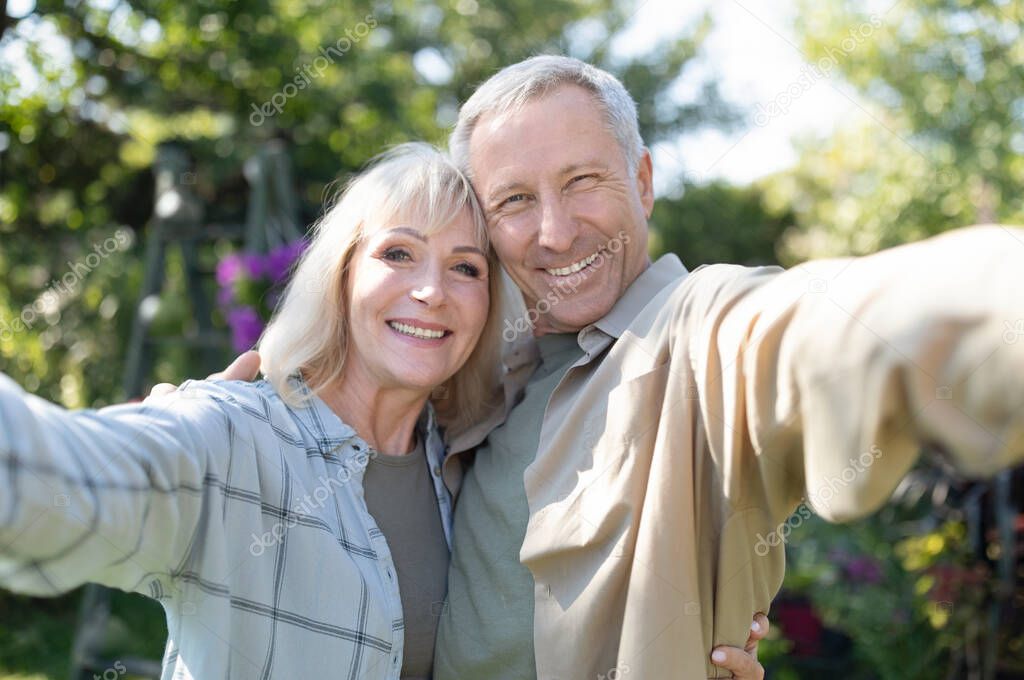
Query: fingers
{"type": "Point", "coordinates": [758, 631]}
{"type": "Point", "coordinates": [162, 389]}
{"type": "Point", "coordinates": [742, 664]}
{"type": "Point", "coordinates": [245, 367]}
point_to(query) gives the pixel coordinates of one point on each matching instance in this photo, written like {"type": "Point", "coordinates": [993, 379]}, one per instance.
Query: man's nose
{"type": "Point", "coordinates": [558, 228]}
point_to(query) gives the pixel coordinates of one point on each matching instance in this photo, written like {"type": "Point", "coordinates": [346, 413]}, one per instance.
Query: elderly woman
{"type": "Point", "coordinates": [274, 520]}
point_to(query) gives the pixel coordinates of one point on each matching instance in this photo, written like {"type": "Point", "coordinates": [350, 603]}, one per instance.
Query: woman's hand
{"type": "Point", "coordinates": [743, 662]}
{"type": "Point", "coordinates": [245, 367]}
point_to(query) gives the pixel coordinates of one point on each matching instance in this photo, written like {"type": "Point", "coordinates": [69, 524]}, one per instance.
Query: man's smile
{"type": "Point", "coordinates": [574, 267]}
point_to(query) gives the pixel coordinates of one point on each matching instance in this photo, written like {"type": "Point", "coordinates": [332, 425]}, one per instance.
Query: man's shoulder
{"type": "Point", "coordinates": [693, 297]}
{"type": "Point", "coordinates": [724, 274]}
{"type": "Point", "coordinates": [711, 284]}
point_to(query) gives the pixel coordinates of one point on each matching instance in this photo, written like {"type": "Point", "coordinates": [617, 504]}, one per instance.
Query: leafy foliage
{"type": "Point", "coordinates": [88, 89]}
{"type": "Point", "coordinates": [941, 144]}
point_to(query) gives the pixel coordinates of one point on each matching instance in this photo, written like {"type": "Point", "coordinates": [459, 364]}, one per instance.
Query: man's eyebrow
{"type": "Point", "coordinates": [588, 164]}
{"type": "Point", "coordinates": [503, 189]}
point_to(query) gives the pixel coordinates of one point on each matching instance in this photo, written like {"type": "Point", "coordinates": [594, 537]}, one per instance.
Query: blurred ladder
{"type": "Point", "coordinates": [272, 219]}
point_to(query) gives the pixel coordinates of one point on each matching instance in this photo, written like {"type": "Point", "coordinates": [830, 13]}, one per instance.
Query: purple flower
{"type": "Point", "coordinates": [255, 265]}
{"type": "Point", "coordinates": [280, 260]}
{"type": "Point", "coordinates": [863, 569]}
{"type": "Point", "coordinates": [228, 269]}
{"type": "Point", "coordinates": [246, 327]}
{"type": "Point", "coordinates": [225, 297]}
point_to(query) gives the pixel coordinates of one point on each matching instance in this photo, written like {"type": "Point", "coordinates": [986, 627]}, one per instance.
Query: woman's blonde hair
{"type": "Point", "coordinates": [308, 333]}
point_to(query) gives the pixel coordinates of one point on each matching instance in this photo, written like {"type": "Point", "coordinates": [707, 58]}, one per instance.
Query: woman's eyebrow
{"type": "Point", "coordinates": [418, 235]}
{"type": "Point", "coordinates": [409, 231]}
{"type": "Point", "coordinates": [468, 249]}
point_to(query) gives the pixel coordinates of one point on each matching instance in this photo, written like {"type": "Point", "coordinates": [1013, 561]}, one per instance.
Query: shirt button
{"type": "Point", "coordinates": [437, 471]}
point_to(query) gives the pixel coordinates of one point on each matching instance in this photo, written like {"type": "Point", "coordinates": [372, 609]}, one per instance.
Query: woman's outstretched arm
{"type": "Point", "coordinates": [112, 496]}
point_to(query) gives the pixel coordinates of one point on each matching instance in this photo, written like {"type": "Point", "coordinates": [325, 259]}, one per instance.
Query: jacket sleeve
{"type": "Point", "coordinates": [110, 496]}
{"type": "Point", "coordinates": [831, 377]}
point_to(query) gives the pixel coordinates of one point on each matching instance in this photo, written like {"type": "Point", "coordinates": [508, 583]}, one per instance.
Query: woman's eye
{"type": "Point", "coordinates": [397, 255]}
{"type": "Point", "coordinates": [468, 269]}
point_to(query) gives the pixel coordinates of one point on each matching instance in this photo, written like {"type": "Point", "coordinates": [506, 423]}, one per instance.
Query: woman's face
{"type": "Point", "coordinates": [417, 304]}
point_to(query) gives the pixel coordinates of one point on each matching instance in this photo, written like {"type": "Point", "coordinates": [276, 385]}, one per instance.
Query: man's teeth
{"type": "Point", "coordinates": [406, 329]}
{"type": "Point", "coordinates": [573, 268]}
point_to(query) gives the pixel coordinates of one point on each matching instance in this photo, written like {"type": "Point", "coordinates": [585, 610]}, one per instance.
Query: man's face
{"type": "Point", "coordinates": [566, 217]}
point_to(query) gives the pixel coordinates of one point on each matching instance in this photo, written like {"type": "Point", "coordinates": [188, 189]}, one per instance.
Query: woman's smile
{"type": "Point", "coordinates": [420, 333]}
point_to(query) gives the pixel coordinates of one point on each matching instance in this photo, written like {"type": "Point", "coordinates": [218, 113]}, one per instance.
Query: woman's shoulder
{"type": "Point", "coordinates": [252, 402]}
{"type": "Point", "coordinates": [231, 393]}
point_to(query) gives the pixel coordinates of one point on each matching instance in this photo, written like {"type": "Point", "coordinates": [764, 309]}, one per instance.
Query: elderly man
{"type": "Point", "coordinates": [622, 511]}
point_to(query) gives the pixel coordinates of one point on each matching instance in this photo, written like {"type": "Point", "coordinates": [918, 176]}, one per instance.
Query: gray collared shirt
{"type": "Point", "coordinates": [242, 516]}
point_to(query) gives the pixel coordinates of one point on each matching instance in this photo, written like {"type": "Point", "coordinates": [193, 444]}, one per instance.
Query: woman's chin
{"type": "Point", "coordinates": [425, 381]}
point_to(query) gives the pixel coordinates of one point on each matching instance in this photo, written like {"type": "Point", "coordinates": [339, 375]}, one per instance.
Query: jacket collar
{"type": "Point", "coordinates": [665, 270]}
{"type": "Point", "coordinates": [330, 431]}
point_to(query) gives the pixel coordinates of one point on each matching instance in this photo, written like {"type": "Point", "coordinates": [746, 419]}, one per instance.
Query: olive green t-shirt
{"type": "Point", "coordinates": [400, 496]}
{"type": "Point", "coordinates": [489, 633]}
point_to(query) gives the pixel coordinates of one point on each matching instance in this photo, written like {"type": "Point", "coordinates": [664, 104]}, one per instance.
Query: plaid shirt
{"type": "Point", "coordinates": [242, 516]}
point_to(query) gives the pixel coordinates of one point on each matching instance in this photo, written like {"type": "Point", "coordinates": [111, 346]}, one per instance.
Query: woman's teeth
{"type": "Point", "coordinates": [406, 329]}
{"type": "Point", "coordinates": [573, 268]}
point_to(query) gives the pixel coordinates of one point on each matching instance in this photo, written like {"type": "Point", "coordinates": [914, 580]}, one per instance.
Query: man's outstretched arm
{"type": "Point", "coordinates": [841, 371]}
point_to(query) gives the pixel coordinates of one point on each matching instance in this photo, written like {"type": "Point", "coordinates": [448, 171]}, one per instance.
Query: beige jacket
{"type": "Point", "coordinates": [709, 406]}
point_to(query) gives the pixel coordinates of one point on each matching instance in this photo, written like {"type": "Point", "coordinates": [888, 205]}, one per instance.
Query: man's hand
{"type": "Point", "coordinates": [245, 367]}
{"type": "Point", "coordinates": [743, 662]}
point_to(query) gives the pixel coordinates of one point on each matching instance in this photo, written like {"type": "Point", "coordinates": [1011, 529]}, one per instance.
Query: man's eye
{"type": "Point", "coordinates": [514, 198]}
{"type": "Point", "coordinates": [579, 178]}
{"type": "Point", "coordinates": [396, 255]}
{"type": "Point", "coordinates": [468, 269]}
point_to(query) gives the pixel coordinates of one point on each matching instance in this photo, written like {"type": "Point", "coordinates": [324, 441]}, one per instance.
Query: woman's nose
{"type": "Point", "coordinates": [430, 291]}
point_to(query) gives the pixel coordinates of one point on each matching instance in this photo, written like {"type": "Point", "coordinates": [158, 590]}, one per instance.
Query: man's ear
{"type": "Point", "coordinates": [645, 182]}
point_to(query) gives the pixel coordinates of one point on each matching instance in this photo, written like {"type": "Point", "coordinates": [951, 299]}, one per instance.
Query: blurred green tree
{"type": "Point", "coordinates": [719, 222]}
{"type": "Point", "coordinates": [89, 88]}
{"type": "Point", "coordinates": [942, 142]}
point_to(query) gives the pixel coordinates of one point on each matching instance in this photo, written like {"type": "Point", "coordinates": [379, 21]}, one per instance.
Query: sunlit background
{"type": "Point", "coordinates": [780, 131]}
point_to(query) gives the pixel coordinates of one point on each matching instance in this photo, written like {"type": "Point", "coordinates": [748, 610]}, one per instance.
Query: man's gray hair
{"type": "Point", "coordinates": [518, 84]}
